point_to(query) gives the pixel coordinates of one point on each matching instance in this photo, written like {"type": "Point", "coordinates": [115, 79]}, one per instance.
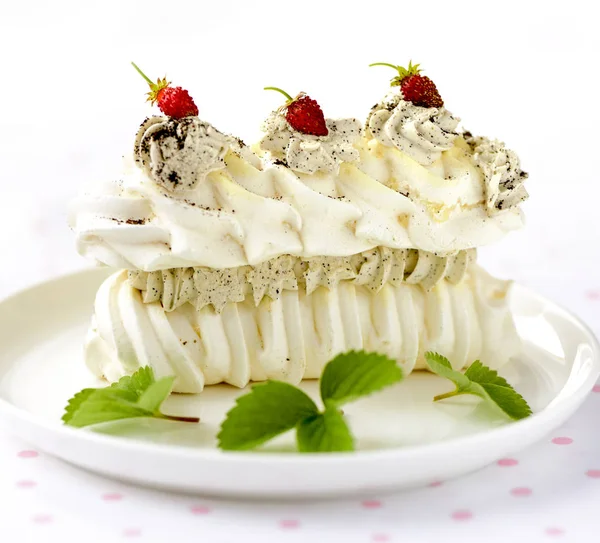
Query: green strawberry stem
{"type": "Point", "coordinates": [402, 71]}
{"type": "Point", "coordinates": [142, 74]}
{"type": "Point", "coordinates": [380, 64]}
{"type": "Point", "coordinates": [289, 98]}
{"type": "Point", "coordinates": [177, 417]}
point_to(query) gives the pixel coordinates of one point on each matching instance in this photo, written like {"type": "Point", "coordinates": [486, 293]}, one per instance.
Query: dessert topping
{"type": "Point", "coordinates": [416, 88]}
{"type": "Point", "coordinates": [303, 113]}
{"type": "Point", "coordinates": [179, 153]}
{"type": "Point", "coordinates": [299, 136]}
{"type": "Point", "coordinates": [502, 175]}
{"type": "Point", "coordinates": [174, 102]}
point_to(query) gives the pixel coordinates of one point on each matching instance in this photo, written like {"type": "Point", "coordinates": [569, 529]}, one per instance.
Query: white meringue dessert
{"type": "Point", "coordinates": [236, 264]}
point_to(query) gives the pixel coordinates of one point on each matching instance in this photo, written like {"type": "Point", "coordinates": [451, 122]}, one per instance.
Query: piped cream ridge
{"type": "Point", "coordinates": [293, 337]}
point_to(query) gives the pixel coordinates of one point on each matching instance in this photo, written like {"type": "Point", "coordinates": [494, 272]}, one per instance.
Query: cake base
{"type": "Point", "coordinates": [292, 338]}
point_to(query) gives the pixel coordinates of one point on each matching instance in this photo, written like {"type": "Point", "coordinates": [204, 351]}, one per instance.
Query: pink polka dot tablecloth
{"type": "Point", "coordinates": [547, 493]}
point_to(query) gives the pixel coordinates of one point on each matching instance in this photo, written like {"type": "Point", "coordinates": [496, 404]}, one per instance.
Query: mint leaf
{"type": "Point", "coordinates": [104, 405]}
{"type": "Point", "coordinates": [75, 403]}
{"type": "Point", "coordinates": [136, 383]}
{"type": "Point", "coordinates": [479, 373]}
{"type": "Point", "coordinates": [481, 381]}
{"type": "Point", "coordinates": [498, 390]}
{"type": "Point", "coordinates": [325, 432]}
{"type": "Point", "coordinates": [274, 407]}
{"type": "Point", "coordinates": [156, 393]}
{"type": "Point", "coordinates": [268, 410]}
{"type": "Point", "coordinates": [138, 395]}
{"type": "Point", "coordinates": [355, 374]}
{"type": "Point", "coordinates": [441, 366]}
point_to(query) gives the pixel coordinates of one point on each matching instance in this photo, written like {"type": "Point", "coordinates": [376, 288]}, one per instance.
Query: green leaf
{"type": "Point", "coordinates": [136, 383]}
{"type": "Point", "coordinates": [105, 405]}
{"type": "Point", "coordinates": [268, 410]}
{"type": "Point", "coordinates": [441, 366]}
{"type": "Point", "coordinates": [498, 390]}
{"type": "Point", "coordinates": [509, 401]}
{"type": "Point", "coordinates": [479, 373]}
{"type": "Point", "coordinates": [481, 381]}
{"type": "Point", "coordinates": [156, 393]}
{"type": "Point", "coordinates": [138, 395]}
{"type": "Point", "coordinates": [325, 432]}
{"type": "Point", "coordinates": [355, 374]}
{"type": "Point", "coordinates": [275, 407]}
{"type": "Point", "coordinates": [75, 403]}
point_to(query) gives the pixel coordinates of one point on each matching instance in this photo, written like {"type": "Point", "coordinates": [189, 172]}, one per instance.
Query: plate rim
{"type": "Point", "coordinates": [132, 445]}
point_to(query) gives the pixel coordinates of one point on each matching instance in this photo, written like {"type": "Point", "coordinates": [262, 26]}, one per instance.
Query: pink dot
{"type": "Point", "coordinates": [200, 509]}
{"type": "Point", "coordinates": [28, 454]}
{"type": "Point", "coordinates": [132, 532]}
{"type": "Point", "coordinates": [381, 538]}
{"type": "Point", "coordinates": [521, 491]}
{"type": "Point", "coordinates": [462, 514]}
{"type": "Point", "coordinates": [593, 295]}
{"type": "Point", "coordinates": [26, 484]}
{"type": "Point", "coordinates": [434, 484]}
{"type": "Point", "coordinates": [371, 504]}
{"type": "Point", "coordinates": [112, 497]}
{"type": "Point", "coordinates": [593, 473]}
{"type": "Point", "coordinates": [289, 524]}
{"type": "Point", "coordinates": [596, 388]}
{"type": "Point", "coordinates": [507, 462]}
{"type": "Point", "coordinates": [42, 519]}
{"type": "Point", "coordinates": [553, 531]}
{"type": "Point", "coordinates": [562, 440]}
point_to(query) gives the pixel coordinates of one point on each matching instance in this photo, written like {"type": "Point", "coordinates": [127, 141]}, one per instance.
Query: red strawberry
{"type": "Point", "coordinates": [304, 114]}
{"type": "Point", "coordinates": [174, 102]}
{"type": "Point", "coordinates": [416, 88]}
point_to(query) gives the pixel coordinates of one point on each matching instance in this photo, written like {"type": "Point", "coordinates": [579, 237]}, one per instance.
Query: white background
{"type": "Point", "coordinates": [525, 72]}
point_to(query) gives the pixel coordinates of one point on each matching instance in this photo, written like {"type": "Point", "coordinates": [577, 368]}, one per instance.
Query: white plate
{"type": "Point", "coordinates": [404, 439]}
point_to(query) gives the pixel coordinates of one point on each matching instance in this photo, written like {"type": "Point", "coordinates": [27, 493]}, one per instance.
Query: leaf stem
{"type": "Point", "coordinates": [179, 418]}
{"type": "Point", "coordinates": [139, 71]}
{"type": "Point", "coordinates": [446, 395]}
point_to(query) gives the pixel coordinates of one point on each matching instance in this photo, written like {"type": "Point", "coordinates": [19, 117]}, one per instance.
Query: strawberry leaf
{"type": "Point", "coordinates": [268, 410]}
{"type": "Point", "coordinates": [325, 432]}
{"type": "Point", "coordinates": [355, 374]}
{"type": "Point", "coordinates": [481, 381]}
{"type": "Point", "coordinates": [104, 405]}
{"type": "Point", "coordinates": [136, 383]}
{"type": "Point", "coordinates": [138, 395]}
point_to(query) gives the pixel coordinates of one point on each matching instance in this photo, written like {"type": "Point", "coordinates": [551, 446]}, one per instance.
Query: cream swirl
{"type": "Point", "coordinates": [502, 174]}
{"type": "Point", "coordinates": [241, 215]}
{"type": "Point", "coordinates": [306, 153]}
{"type": "Point", "coordinates": [420, 132]}
{"type": "Point", "coordinates": [293, 337]}
{"type": "Point", "coordinates": [372, 269]}
{"type": "Point", "coordinates": [177, 154]}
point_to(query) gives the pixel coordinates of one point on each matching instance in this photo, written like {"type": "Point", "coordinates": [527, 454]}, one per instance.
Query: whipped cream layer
{"type": "Point", "coordinates": [310, 154]}
{"type": "Point", "coordinates": [248, 211]}
{"type": "Point", "coordinates": [422, 133]}
{"type": "Point", "coordinates": [373, 269]}
{"type": "Point", "coordinates": [294, 336]}
{"type": "Point", "coordinates": [502, 173]}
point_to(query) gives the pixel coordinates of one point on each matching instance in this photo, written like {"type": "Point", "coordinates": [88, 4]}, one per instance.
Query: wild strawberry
{"type": "Point", "coordinates": [303, 113]}
{"type": "Point", "coordinates": [416, 88]}
{"type": "Point", "coordinates": [174, 102]}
